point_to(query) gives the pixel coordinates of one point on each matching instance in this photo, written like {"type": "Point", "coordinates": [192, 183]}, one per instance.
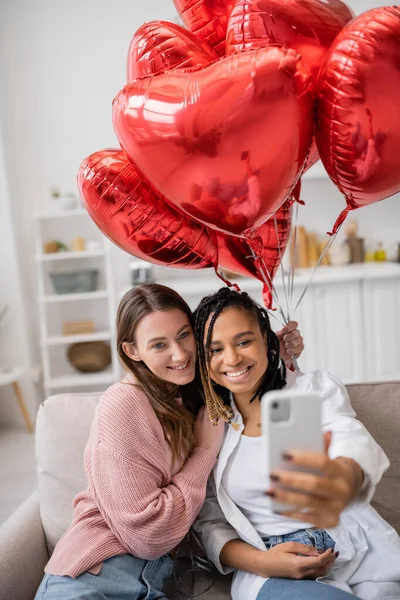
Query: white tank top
{"type": "Point", "coordinates": [246, 480]}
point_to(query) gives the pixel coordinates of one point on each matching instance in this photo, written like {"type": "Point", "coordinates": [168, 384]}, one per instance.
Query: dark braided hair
{"type": "Point", "coordinates": [216, 396]}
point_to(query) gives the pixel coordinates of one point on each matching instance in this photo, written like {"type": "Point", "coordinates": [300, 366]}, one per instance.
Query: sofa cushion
{"type": "Point", "coordinates": [62, 431]}
{"type": "Point", "coordinates": [378, 406]}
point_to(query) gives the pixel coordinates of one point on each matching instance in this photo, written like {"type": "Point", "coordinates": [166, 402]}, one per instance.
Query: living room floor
{"type": "Point", "coordinates": [17, 469]}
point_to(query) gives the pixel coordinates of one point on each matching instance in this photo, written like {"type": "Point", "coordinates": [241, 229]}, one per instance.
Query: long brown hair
{"type": "Point", "coordinates": [176, 420]}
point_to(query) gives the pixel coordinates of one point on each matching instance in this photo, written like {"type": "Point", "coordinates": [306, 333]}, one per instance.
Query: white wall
{"type": "Point", "coordinates": [15, 343]}
{"type": "Point", "coordinates": [61, 64]}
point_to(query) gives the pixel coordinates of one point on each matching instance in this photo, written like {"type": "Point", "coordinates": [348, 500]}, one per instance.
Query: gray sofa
{"type": "Point", "coordinates": [63, 423]}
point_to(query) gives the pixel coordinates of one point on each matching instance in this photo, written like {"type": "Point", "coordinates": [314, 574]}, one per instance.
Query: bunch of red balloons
{"type": "Point", "coordinates": [218, 122]}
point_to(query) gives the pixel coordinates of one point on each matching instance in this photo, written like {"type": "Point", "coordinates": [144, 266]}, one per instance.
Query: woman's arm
{"type": "Point", "coordinates": [147, 515]}
{"type": "Point", "coordinates": [128, 471]}
{"type": "Point", "coordinates": [350, 438]}
{"type": "Point", "coordinates": [241, 556]}
{"type": "Point", "coordinates": [228, 552]}
{"type": "Point", "coordinates": [290, 560]}
{"type": "Point", "coordinates": [214, 530]}
{"type": "Point", "coordinates": [349, 471]}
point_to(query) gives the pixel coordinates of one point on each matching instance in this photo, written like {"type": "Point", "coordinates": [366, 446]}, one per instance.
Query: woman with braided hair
{"type": "Point", "coordinates": [210, 308]}
{"type": "Point", "coordinates": [344, 542]}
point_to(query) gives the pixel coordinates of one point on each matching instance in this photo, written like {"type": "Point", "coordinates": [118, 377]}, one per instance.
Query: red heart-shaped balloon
{"type": "Point", "coordinates": [225, 143]}
{"type": "Point", "coordinates": [159, 46]}
{"type": "Point", "coordinates": [358, 117]}
{"type": "Point", "coordinates": [307, 26]}
{"type": "Point", "coordinates": [137, 220]}
{"type": "Point", "coordinates": [207, 19]}
{"type": "Point", "coordinates": [235, 255]}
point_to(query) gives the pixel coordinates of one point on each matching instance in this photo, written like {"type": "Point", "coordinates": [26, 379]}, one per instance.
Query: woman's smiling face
{"type": "Point", "coordinates": [164, 341]}
{"type": "Point", "coordinates": [237, 353]}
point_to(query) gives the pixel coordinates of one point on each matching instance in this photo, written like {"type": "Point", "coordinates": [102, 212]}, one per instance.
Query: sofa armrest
{"type": "Point", "coordinates": [23, 552]}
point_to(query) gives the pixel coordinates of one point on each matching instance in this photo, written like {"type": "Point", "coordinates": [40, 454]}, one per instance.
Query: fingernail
{"type": "Point", "coordinates": [274, 477]}
{"type": "Point", "coordinates": [287, 456]}
{"type": "Point", "coordinates": [271, 494]}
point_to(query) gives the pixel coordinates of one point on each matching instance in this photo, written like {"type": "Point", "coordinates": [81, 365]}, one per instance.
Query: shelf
{"type": "Point", "coordinates": [52, 223]}
{"type": "Point", "coordinates": [81, 380]}
{"type": "Point", "coordinates": [74, 297]}
{"type": "Point", "coordinates": [74, 339]}
{"type": "Point", "coordinates": [67, 255]}
{"type": "Point", "coordinates": [78, 212]}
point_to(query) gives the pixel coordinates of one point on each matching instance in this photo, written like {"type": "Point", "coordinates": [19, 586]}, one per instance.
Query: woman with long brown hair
{"type": "Point", "coordinates": [150, 452]}
{"type": "Point", "coordinates": [147, 461]}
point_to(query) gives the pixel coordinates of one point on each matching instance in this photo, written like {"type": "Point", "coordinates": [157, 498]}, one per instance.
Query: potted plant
{"type": "Point", "coordinates": [66, 201]}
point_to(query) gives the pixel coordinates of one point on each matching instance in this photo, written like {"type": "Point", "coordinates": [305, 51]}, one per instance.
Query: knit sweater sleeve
{"type": "Point", "coordinates": [148, 511]}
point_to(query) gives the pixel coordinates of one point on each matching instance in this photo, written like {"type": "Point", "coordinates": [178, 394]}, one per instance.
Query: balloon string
{"type": "Point", "coordinates": [227, 282]}
{"type": "Point", "coordinates": [285, 291]}
{"type": "Point", "coordinates": [321, 258]}
{"type": "Point", "coordinates": [295, 218]}
{"type": "Point", "coordinates": [272, 314]}
{"type": "Point", "coordinates": [291, 268]}
{"type": "Point", "coordinates": [268, 282]}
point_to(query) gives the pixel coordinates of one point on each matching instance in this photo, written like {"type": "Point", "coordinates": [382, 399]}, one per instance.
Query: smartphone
{"type": "Point", "coordinates": [291, 420]}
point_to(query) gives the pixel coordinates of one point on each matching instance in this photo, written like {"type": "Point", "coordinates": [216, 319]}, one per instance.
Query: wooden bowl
{"type": "Point", "coordinates": [89, 357]}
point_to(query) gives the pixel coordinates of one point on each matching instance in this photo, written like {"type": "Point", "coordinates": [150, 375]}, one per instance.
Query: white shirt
{"type": "Point", "coordinates": [369, 561]}
{"type": "Point", "coordinates": [246, 480]}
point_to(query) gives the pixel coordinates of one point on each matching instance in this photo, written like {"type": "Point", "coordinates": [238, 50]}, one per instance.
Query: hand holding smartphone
{"type": "Point", "coordinates": [291, 419]}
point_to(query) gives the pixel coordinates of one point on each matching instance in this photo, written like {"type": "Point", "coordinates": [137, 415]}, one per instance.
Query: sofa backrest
{"type": "Point", "coordinates": [63, 426]}
{"type": "Point", "coordinates": [62, 430]}
{"type": "Point", "coordinates": [378, 406]}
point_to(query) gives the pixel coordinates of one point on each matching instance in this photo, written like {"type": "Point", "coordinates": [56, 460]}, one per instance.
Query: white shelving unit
{"type": "Point", "coordinates": [99, 305]}
{"type": "Point", "coordinates": [73, 297]}
{"type": "Point", "coordinates": [68, 255]}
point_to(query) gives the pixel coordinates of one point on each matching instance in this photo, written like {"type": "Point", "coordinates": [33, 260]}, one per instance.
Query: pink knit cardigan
{"type": "Point", "coordinates": [134, 503]}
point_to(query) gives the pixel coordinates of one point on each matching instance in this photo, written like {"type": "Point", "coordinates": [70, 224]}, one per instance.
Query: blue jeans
{"type": "Point", "coordinates": [318, 538]}
{"type": "Point", "coordinates": [303, 589]}
{"type": "Point", "coordinates": [121, 578]}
